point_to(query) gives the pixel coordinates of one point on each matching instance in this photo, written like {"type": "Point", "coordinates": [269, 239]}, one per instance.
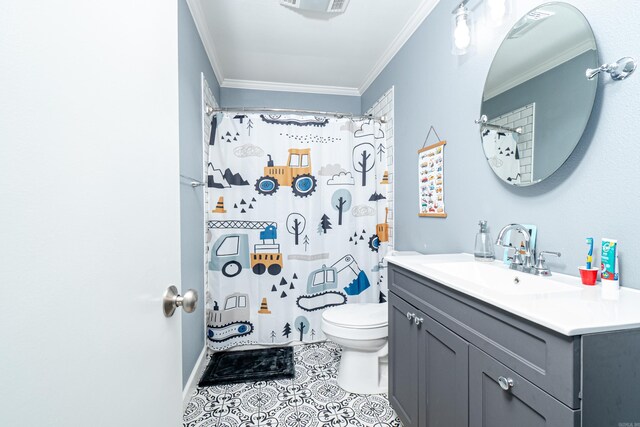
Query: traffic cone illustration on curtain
{"type": "Point", "coordinates": [219, 206]}
{"type": "Point", "coordinates": [264, 308]}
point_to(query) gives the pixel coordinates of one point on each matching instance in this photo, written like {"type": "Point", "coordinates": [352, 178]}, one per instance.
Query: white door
{"type": "Point", "coordinates": [89, 213]}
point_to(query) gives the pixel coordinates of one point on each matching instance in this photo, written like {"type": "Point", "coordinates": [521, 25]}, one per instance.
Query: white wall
{"type": "Point", "coordinates": [88, 146]}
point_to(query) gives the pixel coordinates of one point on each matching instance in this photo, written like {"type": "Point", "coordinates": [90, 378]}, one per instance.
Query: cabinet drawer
{"type": "Point", "coordinates": [522, 404]}
{"type": "Point", "coordinates": [545, 358]}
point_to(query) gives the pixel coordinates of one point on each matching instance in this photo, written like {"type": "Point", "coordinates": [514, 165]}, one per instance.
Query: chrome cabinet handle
{"type": "Point", "coordinates": [418, 320]}
{"type": "Point", "coordinates": [505, 383]}
{"type": "Point", "coordinates": [410, 315]}
{"type": "Point", "coordinates": [172, 299]}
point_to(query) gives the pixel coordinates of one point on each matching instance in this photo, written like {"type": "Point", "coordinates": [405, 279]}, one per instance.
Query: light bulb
{"type": "Point", "coordinates": [462, 34]}
{"type": "Point", "coordinates": [497, 9]}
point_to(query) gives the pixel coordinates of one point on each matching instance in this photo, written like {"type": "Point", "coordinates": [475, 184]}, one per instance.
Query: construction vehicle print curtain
{"type": "Point", "coordinates": [296, 224]}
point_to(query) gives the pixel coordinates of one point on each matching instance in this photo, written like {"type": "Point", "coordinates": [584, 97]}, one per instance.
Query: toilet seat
{"type": "Point", "coordinates": [358, 316]}
{"type": "Point", "coordinates": [356, 321]}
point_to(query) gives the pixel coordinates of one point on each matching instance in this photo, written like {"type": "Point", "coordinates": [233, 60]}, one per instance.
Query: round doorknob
{"type": "Point", "coordinates": [505, 383]}
{"type": "Point", "coordinates": [172, 299]}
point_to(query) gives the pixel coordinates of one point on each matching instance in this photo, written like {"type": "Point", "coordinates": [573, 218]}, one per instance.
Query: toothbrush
{"type": "Point", "coordinates": [590, 253]}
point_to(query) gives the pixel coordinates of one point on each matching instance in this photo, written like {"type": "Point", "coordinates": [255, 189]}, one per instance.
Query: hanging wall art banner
{"type": "Point", "coordinates": [431, 179]}
{"type": "Point", "coordinates": [296, 224]}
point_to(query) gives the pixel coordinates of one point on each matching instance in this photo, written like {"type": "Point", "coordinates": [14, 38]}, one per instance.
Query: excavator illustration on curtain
{"type": "Point", "coordinates": [322, 284]}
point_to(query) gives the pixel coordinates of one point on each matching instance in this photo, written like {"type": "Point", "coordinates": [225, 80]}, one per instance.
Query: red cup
{"type": "Point", "coordinates": [588, 275]}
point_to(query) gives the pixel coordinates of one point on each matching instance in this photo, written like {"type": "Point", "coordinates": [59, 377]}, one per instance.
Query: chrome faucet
{"type": "Point", "coordinates": [522, 262]}
{"type": "Point", "coordinates": [525, 262]}
{"type": "Point", "coordinates": [541, 267]}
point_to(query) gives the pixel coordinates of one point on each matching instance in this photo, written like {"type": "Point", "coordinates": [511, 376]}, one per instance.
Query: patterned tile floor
{"type": "Point", "coordinates": [311, 399]}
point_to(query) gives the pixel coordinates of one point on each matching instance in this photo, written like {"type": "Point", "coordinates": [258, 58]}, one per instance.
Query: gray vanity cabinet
{"type": "Point", "coordinates": [455, 361]}
{"type": "Point", "coordinates": [521, 404]}
{"type": "Point", "coordinates": [428, 379]}
{"type": "Point", "coordinates": [446, 376]}
{"type": "Point", "coordinates": [405, 349]}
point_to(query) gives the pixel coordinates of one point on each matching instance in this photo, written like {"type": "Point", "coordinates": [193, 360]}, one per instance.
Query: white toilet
{"type": "Point", "coordinates": [361, 330]}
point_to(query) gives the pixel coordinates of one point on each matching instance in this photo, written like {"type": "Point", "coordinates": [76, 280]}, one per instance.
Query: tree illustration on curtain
{"type": "Point", "coordinates": [341, 201]}
{"type": "Point", "coordinates": [325, 224]}
{"type": "Point", "coordinates": [287, 330]}
{"type": "Point", "coordinates": [364, 159]}
{"type": "Point", "coordinates": [302, 325]}
{"type": "Point", "coordinates": [381, 150]}
{"type": "Point", "coordinates": [295, 225]}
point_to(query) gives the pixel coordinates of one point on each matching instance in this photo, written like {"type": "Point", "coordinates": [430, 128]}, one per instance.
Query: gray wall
{"type": "Point", "coordinates": [192, 60]}
{"type": "Point", "coordinates": [560, 115]}
{"type": "Point", "coordinates": [594, 194]}
{"type": "Point", "coordinates": [274, 99]}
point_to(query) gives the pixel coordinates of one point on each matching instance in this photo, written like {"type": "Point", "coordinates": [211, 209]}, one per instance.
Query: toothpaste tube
{"type": "Point", "coordinates": [609, 259]}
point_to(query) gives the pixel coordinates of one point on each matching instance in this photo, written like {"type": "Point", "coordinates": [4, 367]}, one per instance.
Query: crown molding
{"type": "Point", "coordinates": [407, 31]}
{"type": "Point", "coordinates": [203, 30]}
{"type": "Point", "coordinates": [540, 69]}
{"type": "Point", "coordinates": [290, 87]}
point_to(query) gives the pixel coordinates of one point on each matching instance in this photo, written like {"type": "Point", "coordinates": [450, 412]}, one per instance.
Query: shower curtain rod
{"type": "Point", "coordinates": [210, 110]}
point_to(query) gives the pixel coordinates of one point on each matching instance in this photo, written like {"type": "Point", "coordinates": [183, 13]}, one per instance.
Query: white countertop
{"type": "Point", "coordinates": [579, 311]}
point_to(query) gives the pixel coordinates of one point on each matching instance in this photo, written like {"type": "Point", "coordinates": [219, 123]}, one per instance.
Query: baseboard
{"type": "Point", "coordinates": [196, 373]}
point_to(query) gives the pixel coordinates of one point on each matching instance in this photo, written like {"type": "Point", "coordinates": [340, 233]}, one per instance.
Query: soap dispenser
{"type": "Point", "coordinates": [484, 245]}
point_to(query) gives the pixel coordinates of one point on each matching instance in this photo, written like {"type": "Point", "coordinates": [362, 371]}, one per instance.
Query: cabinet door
{"type": "Point", "coordinates": [404, 361]}
{"type": "Point", "coordinates": [522, 404]}
{"type": "Point", "coordinates": [446, 377]}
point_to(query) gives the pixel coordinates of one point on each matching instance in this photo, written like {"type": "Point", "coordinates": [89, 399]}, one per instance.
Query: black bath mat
{"type": "Point", "coordinates": [249, 365]}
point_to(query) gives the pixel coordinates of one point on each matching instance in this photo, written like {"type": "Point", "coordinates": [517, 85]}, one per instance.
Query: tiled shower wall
{"type": "Point", "coordinates": [384, 107]}
{"type": "Point", "coordinates": [207, 100]}
{"type": "Point", "coordinates": [525, 118]}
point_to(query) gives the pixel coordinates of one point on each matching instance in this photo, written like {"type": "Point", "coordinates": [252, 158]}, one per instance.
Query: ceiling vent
{"type": "Point", "coordinates": [290, 3]}
{"type": "Point", "coordinates": [330, 6]}
{"type": "Point", "coordinates": [526, 24]}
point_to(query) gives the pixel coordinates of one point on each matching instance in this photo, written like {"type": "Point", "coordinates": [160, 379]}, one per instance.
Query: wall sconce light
{"type": "Point", "coordinates": [461, 29]}
{"type": "Point", "coordinates": [496, 11]}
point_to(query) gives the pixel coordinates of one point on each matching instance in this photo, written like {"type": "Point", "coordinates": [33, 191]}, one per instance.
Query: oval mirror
{"type": "Point", "coordinates": [537, 100]}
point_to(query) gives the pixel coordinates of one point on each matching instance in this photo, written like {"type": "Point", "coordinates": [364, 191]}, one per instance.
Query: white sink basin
{"type": "Point", "coordinates": [497, 277]}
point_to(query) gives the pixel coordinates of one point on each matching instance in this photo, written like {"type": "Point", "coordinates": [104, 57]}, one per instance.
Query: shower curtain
{"type": "Point", "coordinates": [501, 150]}
{"type": "Point", "coordinates": [296, 224]}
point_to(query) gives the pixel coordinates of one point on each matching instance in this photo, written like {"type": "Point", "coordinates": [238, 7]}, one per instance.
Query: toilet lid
{"type": "Point", "coordinates": [358, 315]}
